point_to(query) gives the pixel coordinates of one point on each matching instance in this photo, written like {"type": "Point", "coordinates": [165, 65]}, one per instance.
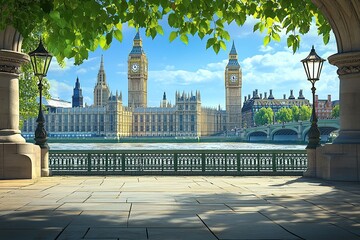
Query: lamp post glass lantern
{"type": "Point", "coordinates": [40, 61]}
{"type": "Point", "coordinates": [313, 66]}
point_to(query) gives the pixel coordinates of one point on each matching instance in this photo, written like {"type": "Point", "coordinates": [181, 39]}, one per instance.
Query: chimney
{"type": "Point", "coordinates": [265, 95]}
{"type": "Point", "coordinates": [245, 99]}
{"type": "Point", "coordinates": [256, 94]}
{"type": "Point", "coordinates": [284, 96]}
{"type": "Point", "coordinates": [249, 96]}
{"type": "Point", "coordinates": [271, 95]}
{"type": "Point", "coordinates": [291, 95]}
{"type": "Point", "coordinates": [260, 95]}
{"type": "Point", "coordinates": [301, 96]}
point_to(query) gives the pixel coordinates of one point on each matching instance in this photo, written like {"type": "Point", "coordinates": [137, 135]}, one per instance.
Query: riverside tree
{"type": "Point", "coordinates": [284, 115]}
{"type": "Point", "coordinates": [336, 111]}
{"type": "Point", "coordinates": [264, 116]}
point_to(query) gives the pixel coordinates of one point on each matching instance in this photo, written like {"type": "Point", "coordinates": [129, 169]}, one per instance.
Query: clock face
{"type": "Point", "coordinates": [135, 67]}
{"type": "Point", "coordinates": [233, 78]}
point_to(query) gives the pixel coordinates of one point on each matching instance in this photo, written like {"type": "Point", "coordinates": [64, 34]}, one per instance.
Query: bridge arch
{"type": "Point", "coordinates": [257, 136]}
{"type": "Point", "coordinates": [284, 134]}
{"type": "Point", "coordinates": [325, 132]}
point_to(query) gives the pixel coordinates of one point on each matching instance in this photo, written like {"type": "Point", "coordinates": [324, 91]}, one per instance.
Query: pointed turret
{"type": "Point", "coordinates": [137, 45]}
{"type": "Point", "coordinates": [233, 49]}
{"type": "Point", "coordinates": [101, 90]}
{"type": "Point", "coordinates": [77, 98]}
{"type": "Point", "coordinates": [164, 96]}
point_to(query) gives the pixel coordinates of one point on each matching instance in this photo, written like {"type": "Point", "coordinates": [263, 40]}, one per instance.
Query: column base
{"type": "Point", "coordinates": [339, 162]}
{"type": "Point", "coordinates": [20, 161]}
{"type": "Point", "coordinates": [311, 169]}
{"type": "Point", "coordinates": [348, 137]}
{"type": "Point", "coordinates": [45, 171]}
{"type": "Point", "coordinates": [11, 136]}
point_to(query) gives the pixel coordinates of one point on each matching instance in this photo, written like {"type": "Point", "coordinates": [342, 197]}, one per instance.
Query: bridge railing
{"type": "Point", "coordinates": [178, 162]}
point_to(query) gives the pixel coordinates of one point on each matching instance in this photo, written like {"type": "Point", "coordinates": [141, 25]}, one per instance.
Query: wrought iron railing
{"type": "Point", "coordinates": [178, 162]}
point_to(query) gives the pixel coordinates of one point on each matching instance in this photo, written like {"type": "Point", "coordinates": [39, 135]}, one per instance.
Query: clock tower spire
{"type": "Point", "coordinates": [137, 75]}
{"type": "Point", "coordinates": [233, 85]}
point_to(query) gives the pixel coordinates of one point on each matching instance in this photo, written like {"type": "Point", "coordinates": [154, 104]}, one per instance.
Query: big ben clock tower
{"type": "Point", "coordinates": [233, 84]}
{"type": "Point", "coordinates": [137, 75]}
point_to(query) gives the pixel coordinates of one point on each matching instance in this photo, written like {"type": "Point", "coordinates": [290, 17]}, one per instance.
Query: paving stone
{"type": "Point", "coordinates": [95, 206]}
{"type": "Point", "coordinates": [180, 234]}
{"type": "Point", "coordinates": [116, 233]}
{"type": "Point", "coordinates": [319, 231]}
{"type": "Point", "coordinates": [29, 234]}
{"type": "Point", "coordinates": [244, 225]}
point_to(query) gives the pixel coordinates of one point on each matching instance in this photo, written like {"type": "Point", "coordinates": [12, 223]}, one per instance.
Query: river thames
{"type": "Point", "coordinates": [159, 146]}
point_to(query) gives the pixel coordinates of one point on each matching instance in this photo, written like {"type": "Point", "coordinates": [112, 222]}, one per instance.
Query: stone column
{"type": "Point", "coordinates": [17, 158]}
{"type": "Point", "coordinates": [341, 160]}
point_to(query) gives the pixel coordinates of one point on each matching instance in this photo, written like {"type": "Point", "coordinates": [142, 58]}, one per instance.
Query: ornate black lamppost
{"type": "Point", "coordinates": [40, 61]}
{"type": "Point", "coordinates": [313, 66]}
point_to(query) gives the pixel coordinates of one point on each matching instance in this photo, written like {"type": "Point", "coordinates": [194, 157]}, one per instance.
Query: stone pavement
{"type": "Point", "coordinates": [172, 208]}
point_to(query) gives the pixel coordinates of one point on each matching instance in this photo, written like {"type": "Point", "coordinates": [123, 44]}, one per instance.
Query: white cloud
{"type": "Point", "coordinates": [55, 67]}
{"type": "Point", "coordinates": [62, 89]}
{"type": "Point", "coordinates": [81, 70]}
{"type": "Point", "coordinates": [282, 71]}
{"type": "Point", "coordinates": [183, 77]}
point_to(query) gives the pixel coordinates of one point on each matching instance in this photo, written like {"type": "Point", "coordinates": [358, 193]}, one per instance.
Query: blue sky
{"type": "Point", "coordinates": [179, 67]}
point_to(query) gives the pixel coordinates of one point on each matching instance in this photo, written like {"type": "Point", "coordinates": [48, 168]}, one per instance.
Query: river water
{"type": "Point", "coordinates": [159, 146]}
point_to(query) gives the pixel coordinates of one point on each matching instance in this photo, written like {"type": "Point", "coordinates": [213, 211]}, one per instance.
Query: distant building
{"type": "Point", "coordinates": [258, 101]}
{"type": "Point", "coordinates": [108, 117]}
{"type": "Point", "coordinates": [323, 107]}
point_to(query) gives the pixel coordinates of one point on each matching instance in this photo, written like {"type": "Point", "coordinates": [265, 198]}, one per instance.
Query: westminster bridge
{"type": "Point", "coordinates": [291, 131]}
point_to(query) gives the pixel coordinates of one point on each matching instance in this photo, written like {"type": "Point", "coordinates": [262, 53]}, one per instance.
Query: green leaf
{"type": "Point", "coordinates": [276, 36]}
{"type": "Point", "coordinates": [210, 42]}
{"type": "Point", "coordinates": [266, 40]}
{"type": "Point", "coordinates": [256, 26]}
{"type": "Point", "coordinates": [160, 30]}
{"type": "Point", "coordinates": [216, 47]}
{"type": "Point", "coordinates": [109, 38]}
{"type": "Point", "coordinates": [118, 35]}
{"type": "Point", "coordinates": [173, 35]}
{"type": "Point", "coordinates": [102, 41]}
{"type": "Point", "coordinates": [55, 15]}
{"type": "Point", "coordinates": [184, 38]}
{"type": "Point", "coordinates": [172, 19]}
{"type": "Point", "coordinates": [222, 44]}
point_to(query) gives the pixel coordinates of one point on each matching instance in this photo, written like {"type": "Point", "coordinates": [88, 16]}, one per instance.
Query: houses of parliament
{"type": "Point", "coordinates": [110, 117]}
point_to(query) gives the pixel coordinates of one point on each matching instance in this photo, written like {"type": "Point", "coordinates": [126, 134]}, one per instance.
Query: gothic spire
{"type": "Point", "coordinates": [233, 49]}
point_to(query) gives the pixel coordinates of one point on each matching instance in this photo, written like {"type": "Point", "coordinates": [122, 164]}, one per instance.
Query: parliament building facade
{"type": "Point", "coordinates": [110, 117]}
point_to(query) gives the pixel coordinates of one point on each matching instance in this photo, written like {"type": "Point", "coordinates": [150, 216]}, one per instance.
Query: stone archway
{"type": "Point", "coordinates": [341, 160]}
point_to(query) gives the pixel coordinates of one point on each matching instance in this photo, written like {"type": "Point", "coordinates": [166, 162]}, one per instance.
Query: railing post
{"type": "Point", "coordinates": [123, 162]}
{"type": "Point", "coordinates": [258, 162]}
{"type": "Point", "coordinates": [106, 162]}
{"type": "Point", "coordinates": [238, 161]}
{"type": "Point", "coordinates": [89, 162]}
{"type": "Point", "coordinates": [274, 162]}
{"type": "Point", "coordinates": [225, 162]}
{"type": "Point", "coordinates": [203, 162]}
{"type": "Point", "coordinates": [175, 162]}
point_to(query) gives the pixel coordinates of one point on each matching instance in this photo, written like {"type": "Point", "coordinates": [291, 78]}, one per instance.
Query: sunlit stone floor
{"type": "Point", "coordinates": [190, 208]}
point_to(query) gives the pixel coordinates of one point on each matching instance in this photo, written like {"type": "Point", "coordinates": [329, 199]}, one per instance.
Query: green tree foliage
{"type": "Point", "coordinates": [28, 88]}
{"type": "Point", "coordinates": [305, 113]}
{"type": "Point", "coordinates": [284, 115]}
{"type": "Point", "coordinates": [264, 116]}
{"type": "Point", "coordinates": [295, 112]}
{"type": "Point", "coordinates": [336, 111]}
{"type": "Point", "coordinates": [72, 28]}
